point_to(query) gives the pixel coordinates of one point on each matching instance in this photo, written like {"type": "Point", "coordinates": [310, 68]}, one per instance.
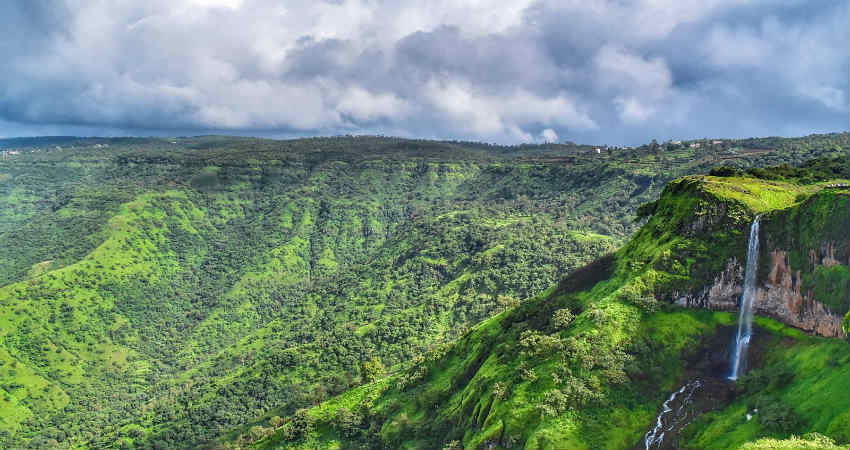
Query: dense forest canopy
{"type": "Point", "coordinates": [157, 293]}
{"type": "Point", "coordinates": [633, 349]}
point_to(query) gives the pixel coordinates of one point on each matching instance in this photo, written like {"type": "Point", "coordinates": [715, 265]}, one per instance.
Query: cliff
{"type": "Point", "coordinates": [803, 276]}
{"type": "Point", "coordinates": [588, 363]}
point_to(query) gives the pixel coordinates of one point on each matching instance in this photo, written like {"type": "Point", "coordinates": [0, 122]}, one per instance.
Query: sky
{"type": "Point", "coordinates": [615, 72]}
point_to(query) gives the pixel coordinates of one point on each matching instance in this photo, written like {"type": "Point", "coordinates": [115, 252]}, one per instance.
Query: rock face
{"type": "Point", "coordinates": [698, 396]}
{"type": "Point", "coordinates": [779, 296]}
{"type": "Point", "coordinates": [722, 295]}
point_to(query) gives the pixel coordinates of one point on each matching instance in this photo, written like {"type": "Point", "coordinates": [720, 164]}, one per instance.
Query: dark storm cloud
{"type": "Point", "coordinates": [610, 72]}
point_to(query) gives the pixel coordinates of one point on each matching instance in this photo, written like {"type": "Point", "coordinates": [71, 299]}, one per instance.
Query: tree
{"type": "Point", "coordinates": [301, 425]}
{"type": "Point", "coordinates": [507, 302]}
{"type": "Point", "coordinates": [812, 441]}
{"type": "Point", "coordinates": [562, 318]}
{"type": "Point", "coordinates": [348, 422]}
{"type": "Point", "coordinates": [554, 403]}
{"type": "Point", "coordinates": [258, 432]}
{"type": "Point", "coordinates": [776, 417]}
{"type": "Point", "coordinates": [499, 390]}
{"type": "Point", "coordinates": [453, 445]}
{"type": "Point", "coordinates": [276, 421]}
{"type": "Point", "coordinates": [372, 370]}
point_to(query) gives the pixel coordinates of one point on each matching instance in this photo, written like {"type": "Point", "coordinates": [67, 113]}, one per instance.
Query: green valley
{"type": "Point", "coordinates": [374, 292]}
{"type": "Point", "coordinates": [587, 363]}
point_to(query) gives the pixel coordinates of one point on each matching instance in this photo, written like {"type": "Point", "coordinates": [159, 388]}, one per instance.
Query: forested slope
{"type": "Point", "coordinates": [588, 363]}
{"type": "Point", "coordinates": [156, 293]}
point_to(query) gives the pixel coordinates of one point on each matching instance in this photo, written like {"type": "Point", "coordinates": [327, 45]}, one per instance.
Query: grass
{"type": "Point", "coordinates": [759, 195]}
{"type": "Point", "coordinates": [44, 359]}
{"type": "Point", "coordinates": [200, 285]}
{"type": "Point", "coordinates": [456, 392]}
{"type": "Point", "coordinates": [616, 426]}
{"type": "Point", "coordinates": [808, 442]}
{"type": "Point", "coordinates": [818, 393]}
{"type": "Point", "coordinates": [810, 236]}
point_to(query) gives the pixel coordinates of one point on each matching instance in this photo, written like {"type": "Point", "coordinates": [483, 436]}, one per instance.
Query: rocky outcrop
{"type": "Point", "coordinates": [779, 296]}
{"type": "Point", "coordinates": [722, 295]}
{"type": "Point", "coordinates": [709, 216]}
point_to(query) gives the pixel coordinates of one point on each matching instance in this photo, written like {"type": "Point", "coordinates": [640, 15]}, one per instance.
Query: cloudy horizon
{"type": "Point", "coordinates": [610, 72]}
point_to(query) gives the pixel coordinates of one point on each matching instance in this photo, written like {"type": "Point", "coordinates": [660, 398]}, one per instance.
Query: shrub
{"type": "Point", "coordinates": [528, 374]}
{"type": "Point", "coordinates": [776, 417]}
{"type": "Point", "coordinates": [372, 370]}
{"type": "Point", "coordinates": [276, 421]}
{"type": "Point", "coordinates": [562, 318]}
{"type": "Point", "coordinates": [724, 171]}
{"type": "Point", "coordinates": [754, 381]}
{"type": "Point", "coordinates": [811, 441]}
{"type": "Point", "coordinates": [299, 426]}
{"type": "Point", "coordinates": [453, 445]}
{"type": "Point", "coordinates": [580, 393]}
{"type": "Point", "coordinates": [536, 344]}
{"type": "Point", "coordinates": [646, 210]}
{"type": "Point", "coordinates": [598, 315]}
{"type": "Point", "coordinates": [257, 433]}
{"type": "Point", "coordinates": [554, 402]}
{"type": "Point", "coordinates": [499, 390]}
{"type": "Point", "coordinates": [348, 423]}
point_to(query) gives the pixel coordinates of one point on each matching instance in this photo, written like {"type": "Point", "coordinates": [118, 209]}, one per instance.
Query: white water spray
{"type": "Point", "coordinates": [745, 313]}
{"type": "Point", "coordinates": [669, 417]}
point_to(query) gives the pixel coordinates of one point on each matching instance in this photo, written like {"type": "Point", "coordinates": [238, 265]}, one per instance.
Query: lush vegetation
{"type": "Point", "coordinates": [586, 364]}
{"type": "Point", "coordinates": [158, 293]}
{"type": "Point", "coordinates": [800, 386]}
{"type": "Point", "coordinates": [813, 226]}
{"type": "Point", "coordinates": [811, 441]}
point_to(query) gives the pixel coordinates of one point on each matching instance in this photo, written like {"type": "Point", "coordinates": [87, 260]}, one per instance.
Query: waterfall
{"type": "Point", "coordinates": [745, 313]}
{"type": "Point", "coordinates": [671, 418]}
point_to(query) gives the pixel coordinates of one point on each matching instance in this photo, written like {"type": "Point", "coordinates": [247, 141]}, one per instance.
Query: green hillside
{"type": "Point", "coordinates": [160, 293]}
{"type": "Point", "coordinates": [588, 363]}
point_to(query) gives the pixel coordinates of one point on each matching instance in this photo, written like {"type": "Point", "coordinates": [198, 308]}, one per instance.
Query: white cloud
{"type": "Point", "coordinates": [478, 69]}
{"type": "Point", "coordinates": [632, 110]}
{"type": "Point", "coordinates": [505, 116]}
{"type": "Point", "coordinates": [232, 4]}
{"type": "Point", "coordinates": [641, 87]}
{"type": "Point", "coordinates": [367, 106]}
{"type": "Point", "coordinates": [625, 71]}
{"type": "Point", "coordinates": [829, 96]}
{"type": "Point", "coordinates": [549, 135]}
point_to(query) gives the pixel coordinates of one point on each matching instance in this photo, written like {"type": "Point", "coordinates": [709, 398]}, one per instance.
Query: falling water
{"type": "Point", "coordinates": [671, 418]}
{"type": "Point", "coordinates": [745, 314]}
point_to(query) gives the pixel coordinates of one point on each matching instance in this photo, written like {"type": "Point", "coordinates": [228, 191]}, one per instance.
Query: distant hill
{"type": "Point", "coordinates": [160, 293]}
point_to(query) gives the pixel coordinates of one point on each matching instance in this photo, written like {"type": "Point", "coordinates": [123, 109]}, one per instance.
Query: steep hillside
{"type": "Point", "coordinates": [157, 293]}
{"type": "Point", "coordinates": [587, 364]}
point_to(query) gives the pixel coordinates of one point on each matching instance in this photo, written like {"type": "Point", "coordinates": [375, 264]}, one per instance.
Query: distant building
{"type": "Point", "coordinates": [676, 142]}
{"type": "Point", "coordinates": [695, 145]}
{"type": "Point", "coordinates": [716, 142]}
{"type": "Point", "coordinates": [598, 150]}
